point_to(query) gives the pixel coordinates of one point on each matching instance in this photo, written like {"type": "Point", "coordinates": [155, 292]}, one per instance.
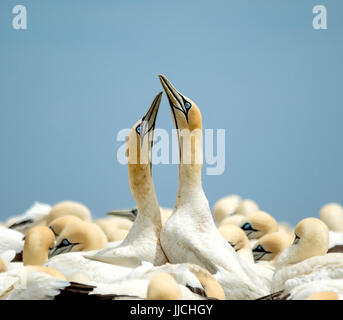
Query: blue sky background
{"type": "Point", "coordinates": [83, 70]}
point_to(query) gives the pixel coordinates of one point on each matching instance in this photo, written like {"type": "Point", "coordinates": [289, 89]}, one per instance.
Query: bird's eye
{"type": "Point", "coordinates": [296, 240]}
{"type": "Point", "coordinates": [259, 248]}
{"type": "Point", "coordinates": [231, 244]}
{"type": "Point", "coordinates": [65, 242]}
{"type": "Point", "coordinates": [246, 226]}
{"type": "Point", "coordinates": [187, 105]}
{"type": "Point", "coordinates": [138, 129]}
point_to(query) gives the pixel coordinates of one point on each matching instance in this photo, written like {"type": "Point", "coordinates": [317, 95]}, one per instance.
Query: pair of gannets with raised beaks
{"type": "Point", "coordinates": [190, 234]}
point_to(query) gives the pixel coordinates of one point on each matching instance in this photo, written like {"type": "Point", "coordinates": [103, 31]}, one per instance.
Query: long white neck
{"type": "Point", "coordinates": [142, 188]}
{"type": "Point", "coordinates": [190, 170]}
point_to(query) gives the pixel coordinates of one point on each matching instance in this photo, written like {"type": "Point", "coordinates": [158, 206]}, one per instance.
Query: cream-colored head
{"type": "Point", "coordinates": [69, 208]}
{"type": "Point", "coordinates": [3, 267]}
{"type": "Point", "coordinates": [270, 246]}
{"type": "Point", "coordinates": [185, 112]}
{"type": "Point", "coordinates": [50, 271]}
{"type": "Point", "coordinates": [332, 215]}
{"type": "Point", "coordinates": [225, 207]}
{"type": "Point", "coordinates": [324, 295]}
{"type": "Point", "coordinates": [211, 287]}
{"type": "Point", "coordinates": [188, 123]}
{"type": "Point", "coordinates": [311, 239]}
{"type": "Point", "coordinates": [235, 219]}
{"type": "Point", "coordinates": [38, 241]}
{"type": "Point", "coordinates": [258, 224]}
{"type": "Point", "coordinates": [246, 207]}
{"type": "Point", "coordinates": [115, 229]}
{"type": "Point", "coordinates": [79, 236]}
{"type": "Point", "coordinates": [60, 223]}
{"type": "Point", "coordinates": [235, 236]}
{"type": "Point", "coordinates": [163, 286]}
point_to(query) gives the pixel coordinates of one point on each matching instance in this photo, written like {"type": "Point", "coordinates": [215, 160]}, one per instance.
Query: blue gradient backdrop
{"type": "Point", "coordinates": [83, 70]}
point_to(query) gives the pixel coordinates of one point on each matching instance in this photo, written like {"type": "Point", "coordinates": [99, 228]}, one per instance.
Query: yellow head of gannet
{"type": "Point", "coordinates": [188, 123]}
{"type": "Point", "coordinates": [69, 208]}
{"type": "Point", "coordinates": [311, 239]}
{"type": "Point", "coordinates": [60, 223]}
{"type": "Point", "coordinates": [324, 295]}
{"type": "Point", "coordinates": [235, 236]}
{"type": "Point", "coordinates": [238, 240]}
{"type": "Point", "coordinates": [246, 207]}
{"type": "Point", "coordinates": [332, 215]}
{"type": "Point", "coordinates": [211, 287]}
{"type": "Point", "coordinates": [3, 267]}
{"type": "Point", "coordinates": [139, 145]}
{"type": "Point", "coordinates": [163, 286]}
{"type": "Point", "coordinates": [38, 241]}
{"type": "Point", "coordinates": [270, 246]}
{"type": "Point", "coordinates": [259, 223]}
{"type": "Point", "coordinates": [79, 236]}
{"type": "Point", "coordinates": [225, 207]}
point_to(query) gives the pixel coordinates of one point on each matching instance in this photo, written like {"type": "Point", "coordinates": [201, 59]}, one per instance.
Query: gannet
{"type": "Point", "coordinates": [306, 259]}
{"type": "Point", "coordinates": [332, 215]}
{"type": "Point", "coordinates": [225, 207]}
{"type": "Point", "coordinates": [38, 243]}
{"type": "Point", "coordinates": [238, 240]}
{"type": "Point", "coordinates": [73, 235]}
{"type": "Point", "coordinates": [34, 216]}
{"type": "Point", "coordinates": [270, 246]}
{"type": "Point", "coordinates": [258, 224]}
{"type": "Point", "coordinates": [79, 236]}
{"type": "Point", "coordinates": [142, 242]}
{"type": "Point", "coordinates": [57, 225]}
{"type": "Point", "coordinates": [190, 234]}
